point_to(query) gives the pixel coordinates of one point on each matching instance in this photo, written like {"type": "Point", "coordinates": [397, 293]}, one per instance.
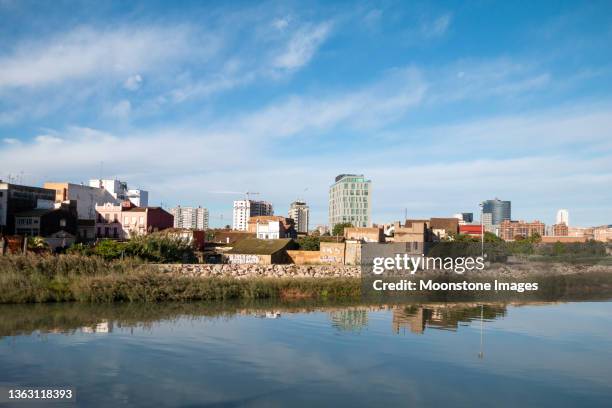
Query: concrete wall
{"type": "Point", "coordinates": [332, 253]}
{"type": "Point", "coordinates": [304, 257]}
{"type": "Point", "coordinates": [352, 253]}
{"type": "Point", "coordinates": [263, 271]}
{"type": "Point", "coordinates": [248, 259]}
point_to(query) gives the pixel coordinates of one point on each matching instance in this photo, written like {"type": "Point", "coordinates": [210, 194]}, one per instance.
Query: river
{"type": "Point", "coordinates": [312, 354]}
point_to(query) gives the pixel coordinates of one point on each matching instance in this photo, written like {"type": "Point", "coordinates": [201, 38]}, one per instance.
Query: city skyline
{"type": "Point", "coordinates": [186, 103]}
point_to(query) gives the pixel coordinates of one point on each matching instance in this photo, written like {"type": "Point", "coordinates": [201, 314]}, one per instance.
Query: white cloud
{"type": "Point", "coordinates": [302, 46]}
{"type": "Point", "coordinates": [481, 79]}
{"type": "Point", "coordinates": [120, 110]}
{"type": "Point", "coordinates": [281, 23]}
{"type": "Point", "coordinates": [48, 139]}
{"type": "Point", "coordinates": [133, 82]}
{"type": "Point", "coordinates": [437, 27]}
{"type": "Point", "coordinates": [422, 180]}
{"type": "Point", "coordinates": [370, 107]}
{"type": "Point", "coordinates": [10, 140]}
{"type": "Point", "coordinates": [88, 53]}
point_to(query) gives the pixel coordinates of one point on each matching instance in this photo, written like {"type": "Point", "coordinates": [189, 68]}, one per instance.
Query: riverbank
{"type": "Point", "coordinates": [77, 278]}
{"type": "Point", "coordinates": [67, 278]}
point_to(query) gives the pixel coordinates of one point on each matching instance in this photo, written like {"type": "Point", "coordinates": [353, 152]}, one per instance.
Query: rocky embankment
{"type": "Point", "coordinates": [263, 271]}
{"type": "Point", "coordinates": [507, 270]}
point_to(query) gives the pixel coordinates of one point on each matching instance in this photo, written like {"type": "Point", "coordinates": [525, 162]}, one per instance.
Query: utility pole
{"type": "Point", "coordinates": [482, 232]}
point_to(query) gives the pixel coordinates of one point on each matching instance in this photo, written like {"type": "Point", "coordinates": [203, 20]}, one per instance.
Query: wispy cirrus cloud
{"type": "Point", "coordinates": [85, 52]}
{"type": "Point", "coordinates": [302, 45]}
{"type": "Point", "coordinates": [370, 107]}
{"type": "Point", "coordinates": [436, 27]}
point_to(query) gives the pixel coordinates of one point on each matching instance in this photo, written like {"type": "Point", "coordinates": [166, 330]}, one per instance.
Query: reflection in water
{"type": "Point", "coordinates": [349, 319]}
{"type": "Point", "coordinates": [303, 353]}
{"type": "Point", "coordinates": [444, 317]}
{"type": "Point", "coordinates": [89, 319]}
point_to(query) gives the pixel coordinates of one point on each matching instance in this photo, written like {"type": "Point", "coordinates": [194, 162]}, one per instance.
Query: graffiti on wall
{"type": "Point", "coordinates": [243, 259]}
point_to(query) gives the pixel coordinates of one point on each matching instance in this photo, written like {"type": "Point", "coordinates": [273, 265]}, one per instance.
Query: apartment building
{"type": "Point", "coordinates": [195, 218]}
{"type": "Point", "coordinates": [509, 230]}
{"type": "Point", "coordinates": [123, 221]}
{"type": "Point", "coordinates": [15, 198]}
{"type": "Point", "coordinates": [350, 199]}
{"type": "Point", "coordinates": [272, 227]}
{"type": "Point", "coordinates": [119, 190]}
{"type": "Point", "coordinates": [86, 198]}
{"type": "Point", "coordinates": [299, 212]}
{"type": "Point", "coordinates": [245, 209]}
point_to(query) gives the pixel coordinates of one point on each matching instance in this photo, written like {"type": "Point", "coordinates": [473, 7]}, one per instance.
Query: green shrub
{"type": "Point", "coordinates": [109, 249]}
{"type": "Point", "coordinates": [309, 243]}
{"type": "Point", "coordinates": [161, 248]}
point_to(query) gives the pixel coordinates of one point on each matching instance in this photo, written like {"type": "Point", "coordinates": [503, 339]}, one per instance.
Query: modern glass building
{"type": "Point", "coordinates": [499, 210]}
{"type": "Point", "coordinates": [350, 199]}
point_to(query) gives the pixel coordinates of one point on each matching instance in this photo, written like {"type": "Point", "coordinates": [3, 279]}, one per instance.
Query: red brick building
{"type": "Point", "coordinates": [510, 230]}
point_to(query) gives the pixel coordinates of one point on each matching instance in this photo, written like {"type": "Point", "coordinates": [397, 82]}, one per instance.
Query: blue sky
{"type": "Point", "coordinates": [441, 104]}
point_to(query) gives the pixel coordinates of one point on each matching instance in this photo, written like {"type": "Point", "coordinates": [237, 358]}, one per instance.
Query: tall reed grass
{"type": "Point", "coordinates": [65, 278]}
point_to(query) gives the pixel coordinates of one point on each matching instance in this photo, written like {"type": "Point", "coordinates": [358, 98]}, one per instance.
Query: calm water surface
{"type": "Point", "coordinates": [434, 355]}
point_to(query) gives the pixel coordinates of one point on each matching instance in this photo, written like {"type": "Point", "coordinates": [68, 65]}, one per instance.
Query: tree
{"type": "Point", "coordinates": [535, 238]}
{"type": "Point", "coordinates": [339, 228]}
{"type": "Point", "coordinates": [491, 237]}
{"type": "Point", "coordinates": [309, 243]}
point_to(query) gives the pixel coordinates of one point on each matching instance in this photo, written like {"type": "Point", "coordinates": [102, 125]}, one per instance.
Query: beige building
{"type": "Point", "coordinates": [365, 234]}
{"type": "Point", "coordinates": [603, 233]}
{"type": "Point", "coordinates": [509, 230]}
{"type": "Point", "coordinates": [412, 231]}
{"type": "Point", "coordinates": [87, 198]}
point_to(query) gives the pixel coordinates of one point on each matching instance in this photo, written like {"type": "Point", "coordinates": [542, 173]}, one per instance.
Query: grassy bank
{"type": "Point", "coordinates": [32, 279]}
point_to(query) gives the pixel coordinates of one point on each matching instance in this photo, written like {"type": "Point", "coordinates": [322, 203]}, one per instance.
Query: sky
{"type": "Point", "coordinates": [440, 104]}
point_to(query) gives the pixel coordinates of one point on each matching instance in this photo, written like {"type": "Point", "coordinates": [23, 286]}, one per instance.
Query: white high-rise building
{"type": "Point", "coordinates": [563, 217]}
{"type": "Point", "coordinates": [350, 200]}
{"type": "Point", "coordinates": [299, 212]}
{"type": "Point", "coordinates": [245, 209]}
{"type": "Point", "coordinates": [190, 217]}
{"type": "Point", "coordinates": [140, 198]}
{"type": "Point", "coordinates": [119, 190]}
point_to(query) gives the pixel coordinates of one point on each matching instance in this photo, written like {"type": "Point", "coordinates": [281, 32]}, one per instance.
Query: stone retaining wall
{"type": "Point", "coordinates": [263, 271]}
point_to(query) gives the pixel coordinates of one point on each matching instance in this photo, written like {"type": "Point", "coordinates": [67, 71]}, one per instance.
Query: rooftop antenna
{"type": "Point", "coordinates": [101, 168]}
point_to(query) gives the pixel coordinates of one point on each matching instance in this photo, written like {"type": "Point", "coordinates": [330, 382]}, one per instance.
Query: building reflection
{"type": "Point", "coordinates": [102, 327]}
{"type": "Point", "coordinates": [349, 319]}
{"type": "Point", "coordinates": [416, 319]}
